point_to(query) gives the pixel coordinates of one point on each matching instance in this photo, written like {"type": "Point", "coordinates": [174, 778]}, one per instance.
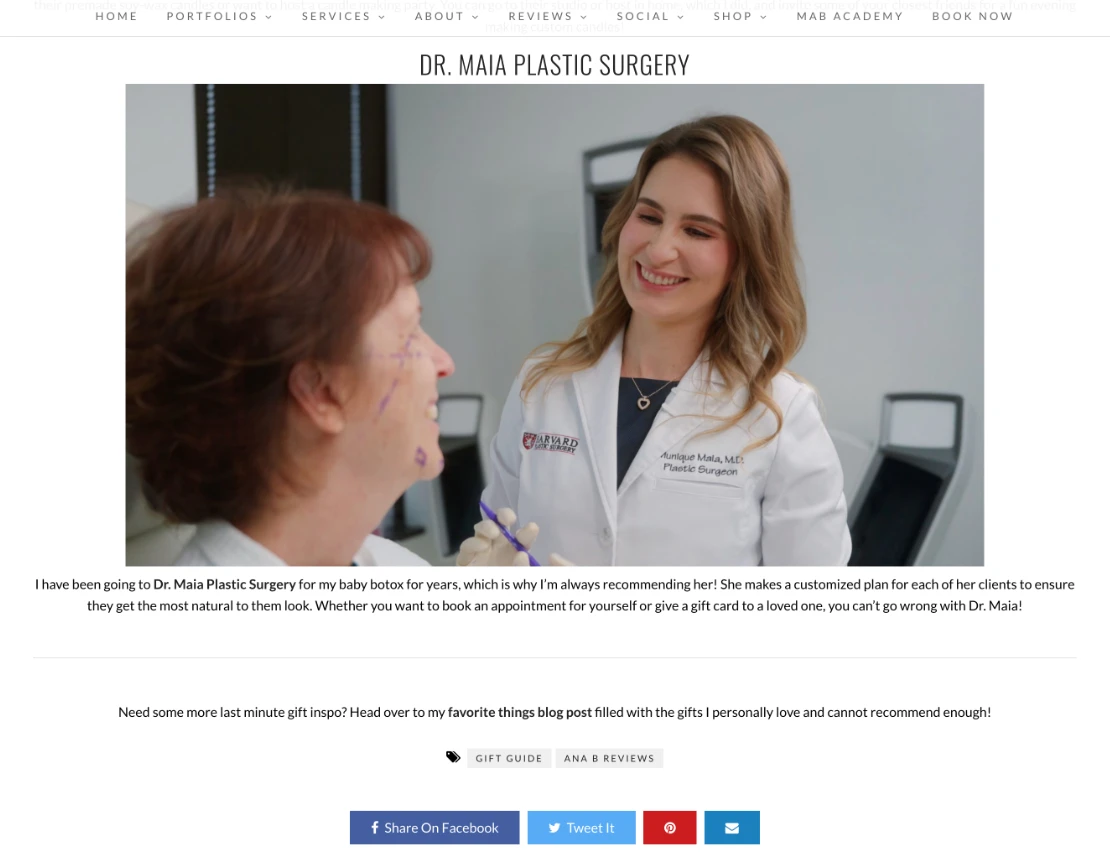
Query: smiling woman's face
{"type": "Point", "coordinates": [674, 255]}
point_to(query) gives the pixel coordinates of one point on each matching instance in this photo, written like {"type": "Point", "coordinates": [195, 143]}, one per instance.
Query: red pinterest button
{"type": "Point", "coordinates": [670, 826]}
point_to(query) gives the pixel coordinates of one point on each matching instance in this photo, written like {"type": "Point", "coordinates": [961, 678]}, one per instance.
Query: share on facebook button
{"type": "Point", "coordinates": [617, 757]}
{"type": "Point", "coordinates": [434, 827]}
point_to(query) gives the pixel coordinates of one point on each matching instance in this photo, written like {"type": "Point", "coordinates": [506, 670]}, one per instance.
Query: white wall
{"type": "Point", "coordinates": [888, 184]}
{"type": "Point", "coordinates": [161, 145]}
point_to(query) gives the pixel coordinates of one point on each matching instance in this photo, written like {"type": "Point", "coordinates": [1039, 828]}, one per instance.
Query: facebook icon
{"type": "Point", "coordinates": [374, 827]}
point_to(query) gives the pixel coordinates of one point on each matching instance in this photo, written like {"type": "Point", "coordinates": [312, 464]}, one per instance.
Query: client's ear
{"type": "Point", "coordinates": [311, 387]}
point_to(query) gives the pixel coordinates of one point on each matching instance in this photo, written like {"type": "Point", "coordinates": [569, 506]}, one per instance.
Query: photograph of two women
{"type": "Point", "coordinates": [476, 325]}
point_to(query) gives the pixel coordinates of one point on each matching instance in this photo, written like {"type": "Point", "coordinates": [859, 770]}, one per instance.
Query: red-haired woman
{"type": "Point", "coordinates": [281, 393]}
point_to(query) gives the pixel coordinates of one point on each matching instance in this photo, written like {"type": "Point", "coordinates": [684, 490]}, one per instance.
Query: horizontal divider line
{"type": "Point", "coordinates": [556, 657]}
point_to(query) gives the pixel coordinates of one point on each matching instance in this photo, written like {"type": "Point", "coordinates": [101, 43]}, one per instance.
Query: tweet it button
{"type": "Point", "coordinates": [732, 826]}
{"type": "Point", "coordinates": [581, 827]}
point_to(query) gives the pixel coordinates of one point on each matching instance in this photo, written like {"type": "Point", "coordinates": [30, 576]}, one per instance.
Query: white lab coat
{"type": "Point", "coordinates": [686, 500]}
{"type": "Point", "coordinates": [217, 543]}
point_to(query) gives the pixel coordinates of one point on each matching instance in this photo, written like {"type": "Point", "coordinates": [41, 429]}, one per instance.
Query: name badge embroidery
{"type": "Point", "coordinates": [701, 466]}
{"type": "Point", "coordinates": [550, 442]}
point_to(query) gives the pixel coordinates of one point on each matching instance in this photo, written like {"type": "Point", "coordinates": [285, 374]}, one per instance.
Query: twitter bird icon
{"type": "Point", "coordinates": [553, 827]}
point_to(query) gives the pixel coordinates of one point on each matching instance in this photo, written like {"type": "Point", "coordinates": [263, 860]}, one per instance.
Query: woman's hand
{"type": "Point", "coordinates": [489, 547]}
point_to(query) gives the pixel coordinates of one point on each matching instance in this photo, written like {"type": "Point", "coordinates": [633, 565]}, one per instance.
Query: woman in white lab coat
{"type": "Point", "coordinates": [667, 430]}
{"type": "Point", "coordinates": [281, 393]}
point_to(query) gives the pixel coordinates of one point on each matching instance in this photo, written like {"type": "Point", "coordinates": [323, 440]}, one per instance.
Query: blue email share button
{"type": "Point", "coordinates": [731, 826]}
{"type": "Point", "coordinates": [581, 827]}
{"type": "Point", "coordinates": [424, 827]}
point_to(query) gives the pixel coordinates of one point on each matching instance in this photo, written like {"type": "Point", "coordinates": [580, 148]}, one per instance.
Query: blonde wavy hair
{"type": "Point", "coordinates": [760, 321]}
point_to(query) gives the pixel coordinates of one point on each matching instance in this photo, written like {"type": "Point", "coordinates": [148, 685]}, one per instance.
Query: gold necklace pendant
{"type": "Point", "coordinates": [643, 403]}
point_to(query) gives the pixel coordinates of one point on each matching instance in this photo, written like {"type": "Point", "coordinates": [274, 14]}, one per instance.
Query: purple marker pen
{"type": "Point", "coordinates": [489, 513]}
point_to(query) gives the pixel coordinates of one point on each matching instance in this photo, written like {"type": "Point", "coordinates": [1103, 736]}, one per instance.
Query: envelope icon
{"type": "Point", "coordinates": [732, 827]}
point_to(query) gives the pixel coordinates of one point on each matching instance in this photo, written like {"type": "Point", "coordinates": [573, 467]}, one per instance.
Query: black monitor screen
{"type": "Point", "coordinates": [893, 517]}
{"type": "Point", "coordinates": [603, 204]}
{"type": "Point", "coordinates": [461, 483]}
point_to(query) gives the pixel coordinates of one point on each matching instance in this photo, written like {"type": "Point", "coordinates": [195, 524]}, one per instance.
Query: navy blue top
{"type": "Point", "coordinates": [634, 423]}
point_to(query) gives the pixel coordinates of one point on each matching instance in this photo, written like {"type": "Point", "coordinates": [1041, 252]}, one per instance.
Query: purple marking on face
{"type": "Point", "coordinates": [385, 400]}
{"type": "Point", "coordinates": [421, 456]}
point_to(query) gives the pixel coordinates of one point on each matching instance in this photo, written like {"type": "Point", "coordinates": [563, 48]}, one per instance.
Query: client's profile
{"type": "Point", "coordinates": [281, 394]}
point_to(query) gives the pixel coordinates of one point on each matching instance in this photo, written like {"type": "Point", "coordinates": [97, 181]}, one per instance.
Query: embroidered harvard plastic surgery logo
{"type": "Point", "coordinates": [549, 442]}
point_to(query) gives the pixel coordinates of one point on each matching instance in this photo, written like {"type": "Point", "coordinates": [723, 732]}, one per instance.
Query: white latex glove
{"type": "Point", "coordinates": [489, 547]}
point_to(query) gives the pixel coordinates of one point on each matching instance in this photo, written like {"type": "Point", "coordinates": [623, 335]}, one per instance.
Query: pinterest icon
{"type": "Point", "coordinates": [670, 826]}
